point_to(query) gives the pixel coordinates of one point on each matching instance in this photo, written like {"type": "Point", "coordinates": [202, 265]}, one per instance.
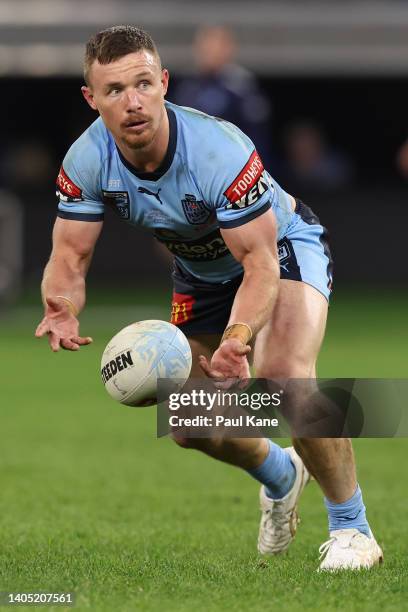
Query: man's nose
{"type": "Point", "coordinates": [132, 100]}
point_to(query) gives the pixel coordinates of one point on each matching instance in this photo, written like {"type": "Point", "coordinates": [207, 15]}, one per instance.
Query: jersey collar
{"type": "Point", "coordinates": [168, 158]}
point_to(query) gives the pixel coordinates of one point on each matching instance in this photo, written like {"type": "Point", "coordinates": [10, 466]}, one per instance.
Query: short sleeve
{"type": "Point", "coordinates": [77, 185]}
{"type": "Point", "coordinates": [242, 189]}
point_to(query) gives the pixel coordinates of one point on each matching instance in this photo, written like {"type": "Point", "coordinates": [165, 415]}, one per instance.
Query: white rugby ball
{"type": "Point", "coordinates": [140, 354]}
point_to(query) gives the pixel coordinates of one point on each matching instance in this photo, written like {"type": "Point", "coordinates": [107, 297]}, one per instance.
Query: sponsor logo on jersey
{"type": "Point", "coordinates": [164, 234]}
{"type": "Point", "coordinates": [196, 211]}
{"type": "Point", "coordinates": [67, 191]}
{"type": "Point", "coordinates": [114, 183]}
{"type": "Point", "coordinates": [249, 185]}
{"type": "Point", "coordinates": [155, 194]}
{"type": "Point", "coordinates": [283, 252]}
{"type": "Point", "coordinates": [157, 216]}
{"type": "Point", "coordinates": [252, 196]}
{"type": "Point", "coordinates": [206, 248]}
{"type": "Point", "coordinates": [289, 266]}
{"type": "Point", "coordinates": [181, 308]}
{"type": "Point", "coordinates": [118, 201]}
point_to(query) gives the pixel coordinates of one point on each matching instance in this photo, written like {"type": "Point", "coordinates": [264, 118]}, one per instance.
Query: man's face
{"type": "Point", "coordinates": [129, 95]}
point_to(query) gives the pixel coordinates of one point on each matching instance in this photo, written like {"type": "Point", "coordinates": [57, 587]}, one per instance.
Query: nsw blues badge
{"type": "Point", "coordinates": [196, 211]}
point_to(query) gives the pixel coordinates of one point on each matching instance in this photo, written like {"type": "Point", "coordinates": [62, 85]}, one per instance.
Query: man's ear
{"type": "Point", "coordinates": [165, 80]}
{"type": "Point", "coordinates": [88, 95]}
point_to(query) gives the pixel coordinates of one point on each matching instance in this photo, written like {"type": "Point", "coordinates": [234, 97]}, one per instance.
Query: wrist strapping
{"type": "Point", "coordinates": [74, 310]}
{"type": "Point", "coordinates": [241, 331]}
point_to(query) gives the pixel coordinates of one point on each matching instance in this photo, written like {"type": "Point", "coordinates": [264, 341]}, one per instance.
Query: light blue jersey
{"type": "Point", "coordinates": [211, 178]}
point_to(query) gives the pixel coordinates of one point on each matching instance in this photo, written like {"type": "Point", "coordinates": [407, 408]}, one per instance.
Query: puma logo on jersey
{"type": "Point", "coordinates": [152, 193]}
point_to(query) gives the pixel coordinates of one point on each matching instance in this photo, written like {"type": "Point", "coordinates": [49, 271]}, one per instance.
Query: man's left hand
{"type": "Point", "coordinates": [229, 364]}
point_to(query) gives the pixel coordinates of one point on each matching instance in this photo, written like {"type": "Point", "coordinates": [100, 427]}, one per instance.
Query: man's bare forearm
{"type": "Point", "coordinates": [256, 297]}
{"type": "Point", "coordinates": [65, 278]}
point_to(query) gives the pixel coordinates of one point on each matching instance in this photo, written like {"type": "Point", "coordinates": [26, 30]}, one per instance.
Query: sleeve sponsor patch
{"type": "Point", "coordinates": [249, 185]}
{"type": "Point", "coordinates": [67, 191]}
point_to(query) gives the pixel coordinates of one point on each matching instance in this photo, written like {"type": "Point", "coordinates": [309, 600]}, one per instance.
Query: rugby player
{"type": "Point", "coordinates": [251, 265]}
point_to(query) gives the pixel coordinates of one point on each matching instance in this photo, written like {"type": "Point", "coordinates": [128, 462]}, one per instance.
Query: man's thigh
{"type": "Point", "coordinates": [202, 344]}
{"type": "Point", "coordinates": [288, 345]}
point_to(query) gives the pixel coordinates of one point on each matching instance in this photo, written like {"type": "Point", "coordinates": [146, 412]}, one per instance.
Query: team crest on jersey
{"type": "Point", "coordinates": [196, 211]}
{"type": "Point", "coordinates": [250, 184]}
{"type": "Point", "coordinates": [67, 191]}
{"type": "Point", "coordinates": [118, 201]}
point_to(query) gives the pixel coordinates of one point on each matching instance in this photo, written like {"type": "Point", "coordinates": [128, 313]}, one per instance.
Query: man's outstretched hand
{"type": "Point", "coordinates": [61, 326]}
{"type": "Point", "coordinates": [229, 364]}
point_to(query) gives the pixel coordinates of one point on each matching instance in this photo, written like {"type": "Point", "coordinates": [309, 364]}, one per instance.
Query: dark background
{"type": "Point", "coordinates": [364, 118]}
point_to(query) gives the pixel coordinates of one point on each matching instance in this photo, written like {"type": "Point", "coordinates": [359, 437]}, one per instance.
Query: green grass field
{"type": "Point", "coordinates": [92, 502]}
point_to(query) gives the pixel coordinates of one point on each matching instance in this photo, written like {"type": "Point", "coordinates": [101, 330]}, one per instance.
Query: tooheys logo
{"type": "Point", "coordinates": [67, 191]}
{"type": "Point", "coordinates": [121, 362]}
{"type": "Point", "coordinates": [249, 185]}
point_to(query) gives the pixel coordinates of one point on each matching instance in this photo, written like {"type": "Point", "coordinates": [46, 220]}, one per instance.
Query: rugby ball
{"type": "Point", "coordinates": [140, 354]}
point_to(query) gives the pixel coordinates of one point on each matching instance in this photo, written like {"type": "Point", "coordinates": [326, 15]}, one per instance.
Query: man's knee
{"type": "Point", "coordinates": [296, 377]}
{"type": "Point", "coordinates": [284, 368]}
{"type": "Point", "coordinates": [182, 442]}
{"type": "Point", "coordinates": [196, 443]}
{"type": "Point", "coordinates": [210, 446]}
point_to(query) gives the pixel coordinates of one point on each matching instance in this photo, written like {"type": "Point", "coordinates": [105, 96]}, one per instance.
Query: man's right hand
{"type": "Point", "coordinates": [61, 326]}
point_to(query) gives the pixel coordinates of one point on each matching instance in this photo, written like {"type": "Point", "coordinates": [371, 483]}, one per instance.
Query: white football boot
{"type": "Point", "coordinates": [349, 549]}
{"type": "Point", "coordinates": [279, 518]}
